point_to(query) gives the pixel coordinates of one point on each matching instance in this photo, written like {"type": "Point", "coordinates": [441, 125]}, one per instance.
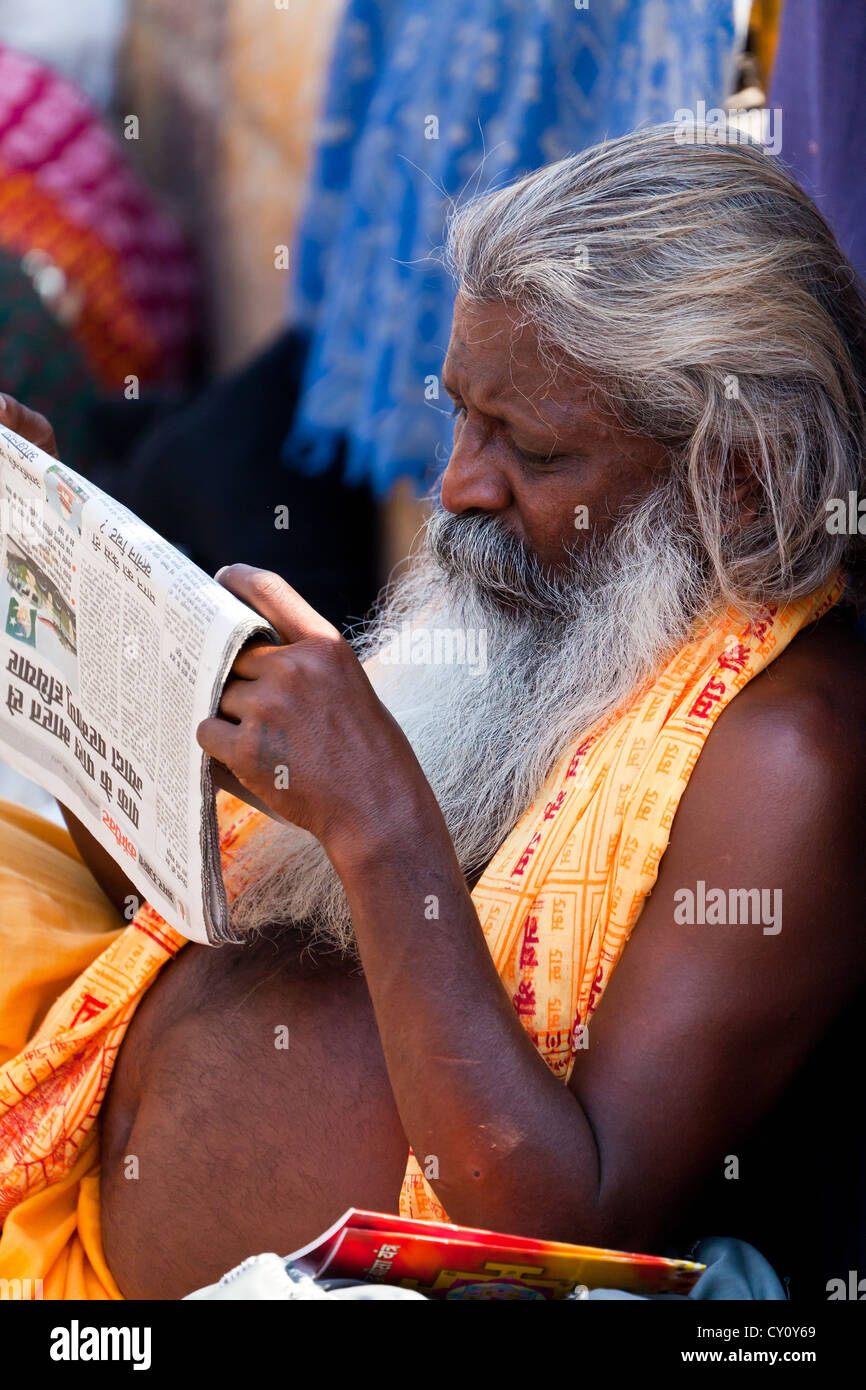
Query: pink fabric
{"type": "Point", "coordinates": [49, 130]}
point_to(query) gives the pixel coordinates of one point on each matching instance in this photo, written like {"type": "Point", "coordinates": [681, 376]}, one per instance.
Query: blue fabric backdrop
{"type": "Point", "coordinates": [427, 100]}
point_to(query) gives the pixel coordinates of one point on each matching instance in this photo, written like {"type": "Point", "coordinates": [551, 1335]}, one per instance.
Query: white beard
{"type": "Point", "coordinates": [545, 656]}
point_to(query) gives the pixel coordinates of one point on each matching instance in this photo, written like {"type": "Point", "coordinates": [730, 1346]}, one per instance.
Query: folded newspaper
{"type": "Point", "coordinates": [114, 647]}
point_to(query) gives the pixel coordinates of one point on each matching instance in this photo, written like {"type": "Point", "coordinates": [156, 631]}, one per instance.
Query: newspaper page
{"type": "Point", "coordinates": [114, 646]}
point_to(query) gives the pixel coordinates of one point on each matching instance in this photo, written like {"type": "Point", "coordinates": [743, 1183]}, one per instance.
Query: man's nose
{"type": "Point", "coordinates": [473, 479]}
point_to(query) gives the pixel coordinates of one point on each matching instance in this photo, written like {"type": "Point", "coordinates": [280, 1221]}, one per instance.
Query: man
{"type": "Point", "coordinates": [656, 368]}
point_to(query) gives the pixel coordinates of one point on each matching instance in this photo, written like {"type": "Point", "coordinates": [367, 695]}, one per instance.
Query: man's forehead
{"type": "Point", "coordinates": [495, 351]}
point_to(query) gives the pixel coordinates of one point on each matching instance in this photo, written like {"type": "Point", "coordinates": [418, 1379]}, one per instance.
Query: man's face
{"type": "Point", "coordinates": [529, 444]}
{"type": "Point", "coordinates": [558, 656]}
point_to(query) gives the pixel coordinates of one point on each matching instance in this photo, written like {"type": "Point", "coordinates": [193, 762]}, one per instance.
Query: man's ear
{"type": "Point", "coordinates": [744, 493]}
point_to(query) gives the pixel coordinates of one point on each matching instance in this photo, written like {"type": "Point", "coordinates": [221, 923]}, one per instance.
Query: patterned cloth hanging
{"type": "Point", "coordinates": [108, 260]}
{"type": "Point", "coordinates": [428, 103]}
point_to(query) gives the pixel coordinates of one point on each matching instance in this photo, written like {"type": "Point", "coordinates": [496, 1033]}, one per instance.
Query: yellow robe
{"type": "Point", "coordinates": [556, 904]}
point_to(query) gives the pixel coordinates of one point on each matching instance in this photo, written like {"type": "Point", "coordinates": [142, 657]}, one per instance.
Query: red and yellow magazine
{"type": "Point", "coordinates": [445, 1261]}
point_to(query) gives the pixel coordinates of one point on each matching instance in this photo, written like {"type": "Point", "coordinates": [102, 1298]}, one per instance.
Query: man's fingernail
{"type": "Point", "coordinates": [222, 571]}
{"type": "Point", "coordinates": [2, 402]}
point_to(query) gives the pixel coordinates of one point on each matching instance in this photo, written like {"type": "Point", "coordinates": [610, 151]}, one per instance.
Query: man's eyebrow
{"type": "Point", "coordinates": [452, 390]}
{"type": "Point", "coordinates": [531, 425]}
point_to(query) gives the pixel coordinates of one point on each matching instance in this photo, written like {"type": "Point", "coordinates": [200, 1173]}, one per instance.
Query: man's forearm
{"type": "Point", "coordinates": [511, 1145]}
{"type": "Point", "coordinates": [108, 874]}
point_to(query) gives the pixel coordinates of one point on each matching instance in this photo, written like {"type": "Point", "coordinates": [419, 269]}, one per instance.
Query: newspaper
{"type": "Point", "coordinates": [114, 646]}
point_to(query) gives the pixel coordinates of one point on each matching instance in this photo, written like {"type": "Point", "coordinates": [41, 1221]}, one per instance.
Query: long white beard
{"type": "Point", "coordinates": [535, 661]}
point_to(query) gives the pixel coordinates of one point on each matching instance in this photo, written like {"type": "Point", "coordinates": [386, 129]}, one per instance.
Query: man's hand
{"type": "Point", "coordinates": [301, 727]}
{"type": "Point", "coordinates": [28, 423]}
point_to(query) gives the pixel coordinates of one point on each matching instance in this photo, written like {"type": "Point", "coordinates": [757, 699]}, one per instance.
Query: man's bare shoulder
{"type": "Point", "coordinates": [779, 791]}
{"type": "Point", "coordinates": [800, 724]}
{"type": "Point", "coordinates": [713, 1011]}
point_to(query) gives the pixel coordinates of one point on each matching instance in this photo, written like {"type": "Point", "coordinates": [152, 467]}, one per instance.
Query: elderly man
{"type": "Point", "coordinates": [564, 924]}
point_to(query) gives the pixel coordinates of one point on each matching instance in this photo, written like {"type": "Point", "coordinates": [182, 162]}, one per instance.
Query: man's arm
{"type": "Point", "coordinates": [701, 1026]}
{"type": "Point", "coordinates": [107, 872]}
{"type": "Point", "coordinates": [699, 1031]}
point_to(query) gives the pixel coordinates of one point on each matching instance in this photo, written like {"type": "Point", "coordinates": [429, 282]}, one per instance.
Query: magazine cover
{"type": "Point", "coordinates": [445, 1261]}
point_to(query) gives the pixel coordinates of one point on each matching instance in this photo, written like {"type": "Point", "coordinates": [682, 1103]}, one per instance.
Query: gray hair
{"type": "Point", "coordinates": [705, 297]}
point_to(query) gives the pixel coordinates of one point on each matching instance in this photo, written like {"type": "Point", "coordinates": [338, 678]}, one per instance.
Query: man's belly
{"type": "Point", "coordinates": [249, 1107]}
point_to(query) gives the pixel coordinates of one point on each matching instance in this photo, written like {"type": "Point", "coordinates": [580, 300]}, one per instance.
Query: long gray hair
{"type": "Point", "coordinates": [703, 294]}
